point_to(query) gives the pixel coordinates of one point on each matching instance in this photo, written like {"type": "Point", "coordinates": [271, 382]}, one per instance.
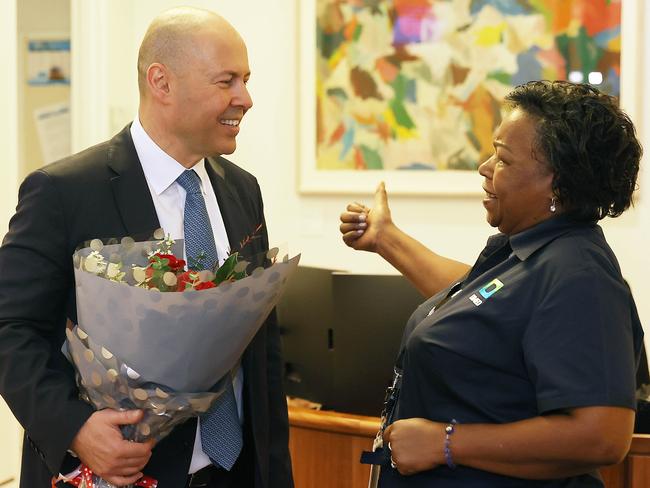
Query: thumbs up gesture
{"type": "Point", "coordinates": [363, 227]}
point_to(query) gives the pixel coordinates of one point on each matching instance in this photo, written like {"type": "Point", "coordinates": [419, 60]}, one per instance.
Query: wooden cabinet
{"type": "Point", "coordinates": [634, 471]}
{"type": "Point", "coordinates": [325, 449]}
{"type": "Point", "coordinates": [326, 446]}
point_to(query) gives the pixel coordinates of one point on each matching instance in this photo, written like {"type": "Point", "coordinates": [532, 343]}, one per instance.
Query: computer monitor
{"type": "Point", "coordinates": [341, 334]}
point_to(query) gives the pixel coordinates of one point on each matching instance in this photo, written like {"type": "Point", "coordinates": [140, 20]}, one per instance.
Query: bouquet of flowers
{"type": "Point", "coordinates": [154, 336]}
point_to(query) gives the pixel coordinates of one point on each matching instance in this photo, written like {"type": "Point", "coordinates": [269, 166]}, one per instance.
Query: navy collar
{"type": "Point", "coordinates": [525, 243]}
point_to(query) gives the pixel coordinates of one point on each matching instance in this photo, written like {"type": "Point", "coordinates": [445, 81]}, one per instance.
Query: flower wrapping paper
{"type": "Point", "coordinates": [185, 341]}
{"type": "Point", "coordinates": [107, 382]}
{"type": "Point", "coordinates": [169, 354]}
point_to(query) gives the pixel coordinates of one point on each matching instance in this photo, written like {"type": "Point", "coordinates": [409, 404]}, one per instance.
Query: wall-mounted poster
{"type": "Point", "coordinates": [410, 91]}
{"type": "Point", "coordinates": [48, 62]}
{"type": "Point", "coordinates": [53, 128]}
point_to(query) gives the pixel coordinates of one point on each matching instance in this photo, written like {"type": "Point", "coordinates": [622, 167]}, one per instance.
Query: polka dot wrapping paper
{"type": "Point", "coordinates": [183, 340]}
{"type": "Point", "coordinates": [168, 353]}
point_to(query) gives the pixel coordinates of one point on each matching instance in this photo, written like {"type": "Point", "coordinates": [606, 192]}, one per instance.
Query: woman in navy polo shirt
{"type": "Point", "coordinates": [519, 370]}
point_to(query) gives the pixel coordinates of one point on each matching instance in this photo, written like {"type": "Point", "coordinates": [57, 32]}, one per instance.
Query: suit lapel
{"type": "Point", "coordinates": [234, 218]}
{"type": "Point", "coordinates": [132, 196]}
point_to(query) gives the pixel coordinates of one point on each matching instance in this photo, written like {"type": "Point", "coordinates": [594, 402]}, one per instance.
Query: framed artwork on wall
{"type": "Point", "coordinates": [410, 91]}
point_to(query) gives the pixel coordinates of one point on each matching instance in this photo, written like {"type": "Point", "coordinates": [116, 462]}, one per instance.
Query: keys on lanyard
{"type": "Point", "coordinates": [379, 455]}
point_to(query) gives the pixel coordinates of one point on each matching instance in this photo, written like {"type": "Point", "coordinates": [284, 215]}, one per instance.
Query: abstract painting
{"type": "Point", "coordinates": [415, 86]}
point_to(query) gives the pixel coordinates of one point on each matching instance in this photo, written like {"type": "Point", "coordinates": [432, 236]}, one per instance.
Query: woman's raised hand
{"type": "Point", "coordinates": [362, 227]}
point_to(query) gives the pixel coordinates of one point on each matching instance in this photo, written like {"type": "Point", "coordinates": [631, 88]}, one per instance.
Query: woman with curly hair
{"type": "Point", "coordinates": [520, 370]}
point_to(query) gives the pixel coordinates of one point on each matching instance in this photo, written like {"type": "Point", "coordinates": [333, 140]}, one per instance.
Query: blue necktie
{"type": "Point", "coordinates": [221, 435]}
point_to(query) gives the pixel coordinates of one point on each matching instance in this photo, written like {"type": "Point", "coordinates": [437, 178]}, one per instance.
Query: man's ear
{"type": "Point", "coordinates": [158, 81]}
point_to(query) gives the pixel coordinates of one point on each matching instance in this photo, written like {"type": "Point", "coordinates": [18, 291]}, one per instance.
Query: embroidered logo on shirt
{"type": "Point", "coordinates": [486, 292]}
{"type": "Point", "coordinates": [475, 300]}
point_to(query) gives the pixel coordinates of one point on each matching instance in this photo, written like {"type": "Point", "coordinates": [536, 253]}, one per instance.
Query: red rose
{"type": "Point", "coordinates": [174, 263]}
{"type": "Point", "coordinates": [204, 285]}
{"type": "Point", "coordinates": [184, 279]}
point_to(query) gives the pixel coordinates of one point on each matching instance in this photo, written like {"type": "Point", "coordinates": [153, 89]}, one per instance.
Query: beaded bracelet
{"type": "Point", "coordinates": [449, 431]}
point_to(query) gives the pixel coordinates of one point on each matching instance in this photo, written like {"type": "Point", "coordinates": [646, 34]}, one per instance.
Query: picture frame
{"type": "Point", "coordinates": [446, 183]}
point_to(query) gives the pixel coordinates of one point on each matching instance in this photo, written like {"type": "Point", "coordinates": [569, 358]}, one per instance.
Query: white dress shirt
{"type": "Point", "coordinates": [161, 171]}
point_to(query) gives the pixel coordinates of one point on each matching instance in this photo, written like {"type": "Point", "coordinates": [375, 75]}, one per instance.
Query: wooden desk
{"type": "Point", "coordinates": [325, 449]}
{"type": "Point", "coordinates": [326, 446]}
{"type": "Point", "coordinates": [634, 471]}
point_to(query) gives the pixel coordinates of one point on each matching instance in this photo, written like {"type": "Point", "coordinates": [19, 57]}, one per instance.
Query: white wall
{"type": "Point", "coordinates": [9, 118]}
{"type": "Point", "coordinates": [268, 145]}
{"type": "Point", "coordinates": [629, 235]}
{"type": "Point", "coordinates": [18, 21]}
{"type": "Point", "coordinates": [32, 24]}
{"type": "Point", "coordinates": [9, 431]}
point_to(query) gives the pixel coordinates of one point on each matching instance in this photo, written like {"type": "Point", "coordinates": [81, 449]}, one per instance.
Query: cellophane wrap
{"type": "Point", "coordinates": [169, 354]}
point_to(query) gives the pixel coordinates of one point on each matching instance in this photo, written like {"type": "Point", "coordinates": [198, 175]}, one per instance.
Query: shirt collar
{"type": "Point", "coordinates": [525, 243]}
{"type": "Point", "coordinates": [160, 169]}
{"type": "Point", "coordinates": [203, 174]}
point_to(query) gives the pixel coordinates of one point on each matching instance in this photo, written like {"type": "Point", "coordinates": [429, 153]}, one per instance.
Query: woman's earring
{"type": "Point", "coordinates": [553, 207]}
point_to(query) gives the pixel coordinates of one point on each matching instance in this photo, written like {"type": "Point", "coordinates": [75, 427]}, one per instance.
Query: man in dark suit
{"type": "Point", "coordinates": [192, 74]}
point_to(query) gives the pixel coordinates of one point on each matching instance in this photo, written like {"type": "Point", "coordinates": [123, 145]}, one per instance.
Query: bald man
{"type": "Point", "coordinates": [192, 75]}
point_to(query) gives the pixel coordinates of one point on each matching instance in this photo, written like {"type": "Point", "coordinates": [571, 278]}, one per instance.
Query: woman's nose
{"type": "Point", "coordinates": [486, 167]}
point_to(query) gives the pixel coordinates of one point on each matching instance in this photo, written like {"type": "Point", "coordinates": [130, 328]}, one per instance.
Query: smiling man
{"type": "Point", "coordinates": [192, 75]}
